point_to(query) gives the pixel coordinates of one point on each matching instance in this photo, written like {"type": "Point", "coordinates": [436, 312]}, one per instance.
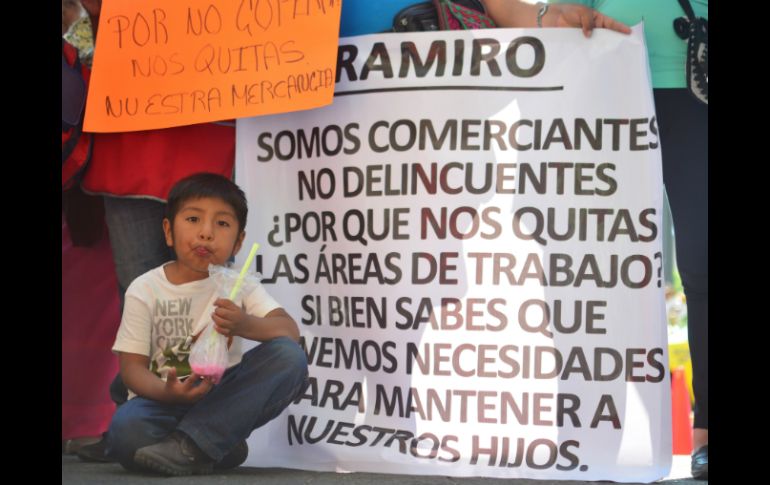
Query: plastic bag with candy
{"type": "Point", "coordinates": [209, 356]}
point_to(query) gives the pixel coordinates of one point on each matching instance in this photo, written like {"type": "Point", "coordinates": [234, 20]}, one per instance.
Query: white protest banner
{"type": "Point", "coordinates": [469, 238]}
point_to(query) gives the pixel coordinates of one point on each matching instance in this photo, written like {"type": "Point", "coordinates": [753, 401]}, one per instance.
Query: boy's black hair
{"type": "Point", "coordinates": [202, 185]}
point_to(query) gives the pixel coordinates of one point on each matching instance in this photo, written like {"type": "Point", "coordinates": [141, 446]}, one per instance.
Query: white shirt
{"type": "Point", "coordinates": [159, 319]}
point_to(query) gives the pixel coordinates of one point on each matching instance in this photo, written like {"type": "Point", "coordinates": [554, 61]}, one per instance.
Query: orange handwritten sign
{"type": "Point", "coordinates": [163, 64]}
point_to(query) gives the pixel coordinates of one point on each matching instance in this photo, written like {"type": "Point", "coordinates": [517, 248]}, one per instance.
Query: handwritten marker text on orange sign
{"type": "Point", "coordinates": [173, 64]}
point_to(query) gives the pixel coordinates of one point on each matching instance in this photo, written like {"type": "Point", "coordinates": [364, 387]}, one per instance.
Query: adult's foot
{"type": "Point", "coordinates": [700, 463]}
{"type": "Point", "coordinates": [95, 452]}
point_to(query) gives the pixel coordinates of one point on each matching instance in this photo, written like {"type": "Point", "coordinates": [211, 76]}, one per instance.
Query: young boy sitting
{"type": "Point", "coordinates": [176, 422]}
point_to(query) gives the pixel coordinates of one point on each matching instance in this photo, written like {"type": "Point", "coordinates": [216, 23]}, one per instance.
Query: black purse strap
{"type": "Point", "coordinates": [695, 31]}
{"type": "Point", "coordinates": [687, 9]}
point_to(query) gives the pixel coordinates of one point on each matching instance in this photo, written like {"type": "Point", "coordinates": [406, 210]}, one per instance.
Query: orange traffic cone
{"type": "Point", "coordinates": [680, 413]}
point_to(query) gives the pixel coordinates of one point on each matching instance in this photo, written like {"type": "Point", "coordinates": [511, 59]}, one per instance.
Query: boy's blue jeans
{"type": "Point", "coordinates": [268, 378]}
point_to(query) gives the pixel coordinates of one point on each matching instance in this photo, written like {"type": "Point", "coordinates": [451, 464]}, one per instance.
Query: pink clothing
{"type": "Point", "coordinates": [90, 319]}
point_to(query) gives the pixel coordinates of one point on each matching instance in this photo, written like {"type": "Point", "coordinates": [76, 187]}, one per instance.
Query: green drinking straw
{"type": "Point", "coordinates": [244, 270]}
{"type": "Point", "coordinates": [212, 336]}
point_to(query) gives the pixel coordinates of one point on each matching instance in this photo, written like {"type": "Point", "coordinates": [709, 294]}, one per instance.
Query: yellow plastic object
{"type": "Point", "coordinates": [679, 356]}
{"type": "Point", "coordinates": [244, 270]}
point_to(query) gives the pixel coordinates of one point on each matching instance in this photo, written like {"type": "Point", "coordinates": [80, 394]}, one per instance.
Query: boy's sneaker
{"type": "Point", "coordinates": [176, 455]}
{"type": "Point", "coordinates": [235, 458]}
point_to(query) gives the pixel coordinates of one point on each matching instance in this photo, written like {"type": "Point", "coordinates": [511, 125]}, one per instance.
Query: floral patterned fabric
{"type": "Point", "coordinates": [81, 35]}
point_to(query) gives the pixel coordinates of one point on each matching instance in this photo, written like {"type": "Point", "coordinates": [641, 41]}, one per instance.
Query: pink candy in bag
{"type": "Point", "coordinates": [209, 356]}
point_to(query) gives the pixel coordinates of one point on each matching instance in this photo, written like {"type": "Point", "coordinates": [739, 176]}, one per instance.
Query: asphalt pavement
{"type": "Point", "coordinates": [76, 472]}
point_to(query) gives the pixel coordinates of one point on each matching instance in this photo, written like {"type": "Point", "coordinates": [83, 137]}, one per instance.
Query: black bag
{"type": "Point", "coordinates": [696, 31]}
{"type": "Point", "coordinates": [442, 15]}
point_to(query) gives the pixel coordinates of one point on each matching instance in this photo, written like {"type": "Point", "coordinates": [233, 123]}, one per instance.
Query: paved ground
{"type": "Point", "coordinates": [75, 472]}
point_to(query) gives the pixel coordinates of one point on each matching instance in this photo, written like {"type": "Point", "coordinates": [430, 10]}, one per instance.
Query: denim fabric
{"type": "Point", "coordinates": [250, 394]}
{"type": "Point", "coordinates": [140, 422]}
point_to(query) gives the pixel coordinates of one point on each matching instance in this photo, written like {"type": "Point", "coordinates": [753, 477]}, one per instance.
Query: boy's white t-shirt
{"type": "Point", "coordinates": [159, 316]}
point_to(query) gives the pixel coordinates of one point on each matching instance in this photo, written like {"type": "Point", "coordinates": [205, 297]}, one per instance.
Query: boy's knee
{"type": "Point", "coordinates": [290, 354]}
{"type": "Point", "coordinates": [283, 351]}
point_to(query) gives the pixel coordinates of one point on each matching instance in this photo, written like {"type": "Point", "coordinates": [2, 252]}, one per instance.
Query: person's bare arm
{"type": "Point", "coordinates": [516, 13]}
{"type": "Point", "coordinates": [231, 320]}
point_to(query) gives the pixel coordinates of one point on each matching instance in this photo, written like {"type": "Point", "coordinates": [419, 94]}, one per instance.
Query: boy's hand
{"type": "Point", "coordinates": [186, 392]}
{"type": "Point", "coordinates": [229, 319]}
